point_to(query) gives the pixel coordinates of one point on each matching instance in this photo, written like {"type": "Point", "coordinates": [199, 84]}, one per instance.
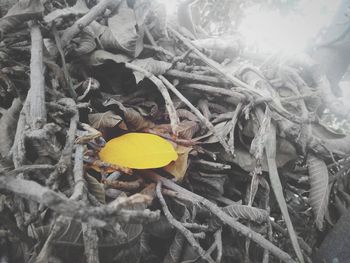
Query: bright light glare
{"type": "Point", "coordinates": [170, 5]}
{"type": "Point", "coordinates": [269, 31]}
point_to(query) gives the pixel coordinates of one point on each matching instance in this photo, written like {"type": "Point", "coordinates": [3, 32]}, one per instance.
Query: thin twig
{"type": "Point", "coordinates": [242, 87]}
{"type": "Point", "coordinates": [85, 20]}
{"type": "Point", "coordinates": [187, 234]}
{"type": "Point", "coordinates": [125, 186]}
{"type": "Point", "coordinates": [284, 232]}
{"type": "Point", "coordinates": [36, 117]}
{"type": "Point", "coordinates": [80, 190]}
{"type": "Point", "coordinates": [196, 77]}
{"type": "Point", "coordinates": [213, 166]}
{"type": "Point", "coordinates": [200, 116]}
{"type": "Point", "coordinates": [69, 83]}
{"type": "Point", "coordinates": [218, 241]}
{"type": "Point", "coordinates": [98, 216]}
{"type": "Point", "coordinates": [239, 97]}
{"type": "Point", "coordinates": [90, 238]}
{"type": "Point", "coordinates": [270, 151]}
{"type": "Point", "coordinates": [65, 161]}
{"type": "Point", "coordinates": [174, 119]}
{"type": "Point", "coordinates": [30, 168]}
{"type": "Point", "coordinates": [256, 237]}
{"type": "Point", "coordinates": [234, 120]}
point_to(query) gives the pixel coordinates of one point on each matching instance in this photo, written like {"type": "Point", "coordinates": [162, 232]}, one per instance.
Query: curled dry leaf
{"type": "Point", "coordinates": [178, 167]}
{"type": "Point", "coordinates": [138, 151]}
{"type": "Point", "coordinates": [86, 44]}
{"type": "Point", "coordinates": [222, 128]}
{"type": "Point", "coordinates": [132, 118]}
{"type": "Point", "coordinates": [176, 248]}
{"type": "Point", "coordinates": [124, 31]}
{"type": "Point", "coordinates": [257, 145]}
{"type": "Point", "coordinates": [107, 119]}
{"type": "Point", "coordinates": [247, 212]}
{"type": "Point", "coordinates": [319, 193]}
{"type": "Point", "coordinates": [135, 121]}
{"type": "Point", "coordinates": [95, 188]}
{"type": "Point", "coordinates": [156, 67]}
{"type": "Point", "coordinates": [20, 13]}
{"type": "Point", "coordinates": [187, 129]}
{"type": "Point", "coordinates": [90, 134]}
{"type": "Point", "coordinates": [99, 57]}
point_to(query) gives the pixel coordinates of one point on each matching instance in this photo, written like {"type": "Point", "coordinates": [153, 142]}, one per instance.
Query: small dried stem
{"type": "Point", "coordinates": [187, 234]}
{"type": "Point", "coordinates": [200, 116]}
{"type": "Point", "coordinates": [36, 117]}
{"type": "Point", "coordinates": [90, 243]}
{"type": "Point", "coordinates": [82, 22]}
{"type": "Point", "coordinates": [225, 218]}
{"type": "Point", "coordinates": [174, 119]}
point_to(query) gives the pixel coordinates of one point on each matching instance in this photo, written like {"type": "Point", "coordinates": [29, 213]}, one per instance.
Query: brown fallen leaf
{"type": "Point", "coordinates": [187, 129]}
{"type": "Point", "coordinates": [319, 192]}
{"type": "Point", "coordinates": [125, 30]}
{"type": "Point", "coordinates": [107, 119]}
{"type": "Point", "coordinates": [178, 167]}
{"type": "Point", "coordinates": [156, 67]}
{"type": "Point", "coordinates": [95, 188]}
{"type": "Point", "coordinates": [133, 119]}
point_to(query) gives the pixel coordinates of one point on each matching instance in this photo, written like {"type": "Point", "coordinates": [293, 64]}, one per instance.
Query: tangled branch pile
{"type": "Point", "coordinates": [255, 168]}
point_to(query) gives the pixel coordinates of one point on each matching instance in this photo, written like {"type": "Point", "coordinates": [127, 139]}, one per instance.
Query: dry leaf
{"type": "Point", "coordinates": [135, 121]}
{"type": "Point", "coordinates": [156, 67]}
{"type": "Point", "coordinates": [257, 145]}
{"type": "Point", "coordinates": [270, 152]}
{"type": "Point", "coordinates": [174, 254]}
{"type": "Point", "coordinates": [178, 167]}
{"type": "Point", "coordinates": [19, 13]}
{"type": "Point", "coordinates": [96, 188]}
{"type": "Point", "coordinates": [208, 184]}
{"type": "Point", "coordinates": [285, 152]}
{"type": "Point", "coordinates": [124, 32]}
{"type": "Point", "coordinates": [132, 117]}
{"type": "Point", "coordinates": [138, 151]}
{"type": "Point", "coordinates": [222, 128]}
{"type": "Point", "coordinates": [187, 129]}
{"type": "Point", "coordinates": [86, 44]}
{"type": "Point", "coordinates": [247, 212]}
{"type": "Point", "coordinates": [78, 9]}
{"type": "Point", "coordinates": [99, 57]}
{"type": "Point", "coordinates": [319, 192]}
{"type": "Point", "coordinates": [107, 119]}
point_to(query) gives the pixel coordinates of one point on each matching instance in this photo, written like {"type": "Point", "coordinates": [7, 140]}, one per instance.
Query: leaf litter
{"type": "Point", "coordinates": [151, 141]}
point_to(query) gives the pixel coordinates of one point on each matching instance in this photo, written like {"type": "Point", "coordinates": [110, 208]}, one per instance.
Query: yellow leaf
{"type": "Point", "coordinates": [178, 167]}
{"type": "Point", "coordinates": [138, 151]}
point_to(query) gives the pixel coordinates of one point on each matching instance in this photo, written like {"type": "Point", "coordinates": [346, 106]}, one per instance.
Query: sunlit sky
{"type": "Point", "coordinates": [272, 32]}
